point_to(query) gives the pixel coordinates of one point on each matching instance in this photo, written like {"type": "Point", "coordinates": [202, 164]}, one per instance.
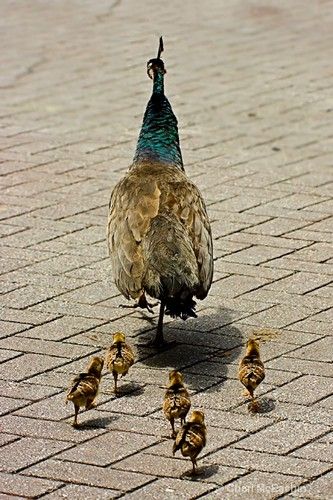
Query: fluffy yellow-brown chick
{"type": "Point", "coordinates": [119, 357]}
{"type": "Point", "coordinates": [84, 388]}
{"type": "Point", "coordinates": [177, 401]}
{"type": "Point", "coordinates": [251, 369]}
{"type": "Point", "coordinates": [191, 438]}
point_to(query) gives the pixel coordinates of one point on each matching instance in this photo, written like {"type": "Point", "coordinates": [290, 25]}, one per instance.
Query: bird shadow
{"type": "Point", "coordinates": [203, 472]}
{"type": "Point", "coordinates": [126, 389]}
{"type": "Point", "coordinates": [205, 346]}
{"type": "Point", "coordinates": [262, 405]}
{"type": "Point", "coordinates": [130, 389]}
{"type": "Point", "coordinates": [97, 423]}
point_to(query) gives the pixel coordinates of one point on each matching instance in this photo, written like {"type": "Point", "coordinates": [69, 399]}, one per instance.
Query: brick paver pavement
{"type": "Point", "coordinates": [251, 83]}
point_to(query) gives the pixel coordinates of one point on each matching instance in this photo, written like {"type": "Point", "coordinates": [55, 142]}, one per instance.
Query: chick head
{"type": "Point", "coordinates": [175, 377]}
{"type": "Point", "coordinates": [252, 345]}
{"type": "Point", "coordinates": [118, 337]}
{"type": "Point", "coordinates": [197, 416]}
{"type": "Point", "coordinates": [96, 365]}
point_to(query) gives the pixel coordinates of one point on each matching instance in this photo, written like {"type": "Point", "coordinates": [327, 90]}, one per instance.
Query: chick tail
{"type": "Point", "coordinates": [171, 273]}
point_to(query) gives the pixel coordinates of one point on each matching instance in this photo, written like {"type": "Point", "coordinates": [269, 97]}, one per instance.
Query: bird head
{"type": "Point", "coordinates": [197, 416]}
{"type": "Point", "coordinates": [175, 377]}
{"type": "Point", "coordinates": [95, 366]}
{"type": "Point", "coordinates": [156, 65]}
{"type": "Point", "coordinates": [118, 337]}
{"type": "Point", "coordinates": [252, 346]}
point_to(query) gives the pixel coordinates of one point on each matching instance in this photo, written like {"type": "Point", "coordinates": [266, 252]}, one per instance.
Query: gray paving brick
{"type": "Point", "coordinates": [8, 438]}
{"type": "Point", "coordinates": [278, 316]}
{"type": "Point", "coordinates": [27, 365]}
{"type": "Point", "coordinates": [268, 240]}
{"type": "Point", "coordinates": [257, 485]}
{"type": "Point", "coordinates": [250, 269]}
{"type": "Point", "coordinates": [16, 485]}
{"type": "Point", "coordinates": [31, 427]}
{"type": "Point", "coordinates": [278, 226]}
{"type": "Point", "coordinates": [141, 402]}
{"type": "Point", "coordinates": [61, 328]}
{"type": "Point", "coordinates": [9, 328]}
{"type": "Point", "coordinates": [70, 351]}
{"type": "Point", "coordinates": [251, 135]}
{"type": "Point", "coordinates": [320, 488]}
{"type": "Point", "coordinates": [317, 252]}
{"type": "Point", "coordinates": [108, 448]}
{"type": "Point", "coordinates": [294, 435]}
{"type": "Point", "coordinates": [300, 283]}
{"type": "Point", "coordinates": [302, 366]}
{"type": "Point", "coordinates": [287, 262]}
{"type": "Point", "coordinates": [27, 451]}
{"type": "Point", "coordinates": [90, 475]}
{"type": "Point", "coordinates": [315, 451]}
{"type": "Point", "coordinates": [321, 349]}
{"type": "Point", "coordinates": [171, 489]}
{"type": "Point", "coordinates": [304, 390]}
{"type": "Point", "coordinates": [257, 254]}
{"type": "Point", "coordinates": [10, 404]}
{"type": "Point", "coordinates": [80, 491]}
{"type": "Point", "coordinates": [262, 461]}
{"type": "Point", "coordinates": [6, 355]}
{"type": "Point", "coordinates": [326, 402]}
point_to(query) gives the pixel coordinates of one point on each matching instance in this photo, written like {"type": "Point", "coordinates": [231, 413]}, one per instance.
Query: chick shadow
{"type": "Point", "coordinates": [262, 405]}
{"type": "Point", "coordinates": [97, 423]}
{"type": "Point", "coordinates": [203, 472]}
{"type": "Point", "coordinates": [206, 346]}
{"type": "Point", "coordinates": [125, 390]}
{"type": "Point", "coordinates": [130, 390]}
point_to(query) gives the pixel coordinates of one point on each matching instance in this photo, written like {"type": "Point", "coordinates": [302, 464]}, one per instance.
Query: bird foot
{"type": "Point", "coordinates": [91, 406]}
{"type": "Point", "coordinates": [254, 406]}
{"type": "Point", "coordinates": [142, 303]}
{"type": "Point", "coordinates": [160, 344]}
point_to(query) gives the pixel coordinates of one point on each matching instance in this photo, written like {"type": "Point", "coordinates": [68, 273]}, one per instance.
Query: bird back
{"type": "Point", "coordinates": [191, 439]}
{"type": "Point", "coordinates": [84, 386]}
{"type": "Point", "coordinates": [159, 233]}
{"type": "Point", "coordinates": [251, 371]}
{"type": "Point", "coordinates": [176, 402]}
{"type": "Point", "coordinates": [119, 358]}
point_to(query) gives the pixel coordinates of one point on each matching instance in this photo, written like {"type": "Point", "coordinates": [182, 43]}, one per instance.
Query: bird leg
{"type": "Point", "coordinates": [254, 405]}
{"type": "Point", "coordinates": [90, 404]}
{"type": "Point", "coordinates": [115, 376]}
{"type": "Point", "coordinates": [76, 409]}
{"type": "Point", "coordinates": [159, 339]}
{"type": "Point", "coordinates": [248, 393]}
{"type": "Point", "coordinates": [194, 465]}
{"type": "Point", "coordinates": [172, 422]}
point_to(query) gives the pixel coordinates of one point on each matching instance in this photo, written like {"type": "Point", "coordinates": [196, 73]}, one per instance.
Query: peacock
{"type": "Point", "coordinates": [159, 235]}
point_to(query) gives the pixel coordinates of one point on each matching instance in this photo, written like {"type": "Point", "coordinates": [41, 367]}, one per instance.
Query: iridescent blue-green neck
{"type": "Point", "coordinates": [158, 86]}
{"type": "Point", "coordinates": [158, 139]}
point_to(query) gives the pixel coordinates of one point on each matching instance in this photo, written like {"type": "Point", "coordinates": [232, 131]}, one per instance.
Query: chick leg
{"type": "Point", "coordinates": [76, 409]}
{"type": "Point", "coordinates": [115, 376]}
{"type": "Point", "coordinates": [172, 422]}
{"type": "Point", "coordinates": [90, 404]}
{"type": "Point", "coordinates": [194, 466]}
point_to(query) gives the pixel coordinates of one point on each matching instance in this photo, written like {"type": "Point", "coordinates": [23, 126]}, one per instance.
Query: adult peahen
{"type": "Point", "coordinates": [159, 234]}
